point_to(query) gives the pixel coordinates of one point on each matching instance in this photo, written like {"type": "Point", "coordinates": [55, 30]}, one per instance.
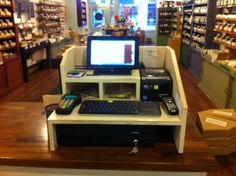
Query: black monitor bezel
{"type": "Point", "coordinates": [105, 38]}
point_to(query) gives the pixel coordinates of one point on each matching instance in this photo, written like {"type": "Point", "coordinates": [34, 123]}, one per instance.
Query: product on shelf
{"type": "Point", "coordinates": [225, 24]}
{"type": "Point", "coordinates": [200, 10]}
{"type": "Point", "coordinates": [200, 2]}
{"type": "Point", "coordinates": [167, 20]}
{"type": "Point", "coordinates": [51, 17]}
{"type": "Point", "coordinates": [5, 2]}
{"type": "Point", "coordinates": [6, 23]}
{"type": "Point", "coordinates": [199, 29]}
{"type": "Point", "coordinates": [7, 30]}
{"type": "Point", "coordinates": [225, 39]}
{"type": "Point", "coordinates": [226, 17]}
{"type": "Point", "coordinates": [4, 12]}
{"type": "Point", "coordinates": [225, 2]}
{"type": "Point", "coordinates": [200, 19]}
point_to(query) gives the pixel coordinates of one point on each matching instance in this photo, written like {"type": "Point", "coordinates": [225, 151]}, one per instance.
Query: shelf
{"type": "Point", "coordinates": [199, 5]}
{"type": "Point", "coordinates": [199, 33]}
{"type": "Point", "coordinates": [167, 16]}
{"type": "Point", "coordinates": [164, 27]}
{"type": "Point", "coordinates": [200, 14]}
{"type": "Point", "coordinates": [10, 37]}
{"type": "Point", "coordinates": [230, 33]}
{"type": "Point", "coordinates": [1, 16]}
{"type": "Point", "coordinates": [225, 44]}
{"type": "Point", "coordinates": [198, 42]}
{"type": "Point", "coordinates": [199, 23]}
{"type": "Point", "coordinates": [187, 13]}
{"type": "Point", "coordinates": [226, 6]}
{"type": "Point", "coordinates": [186, 29]}
{"type": "Point", "coordinates": [46, 12]}
{"type": "Point", "coordinates": [186, 22]}
{"type": "Point", "coordinates": [228, 20]}
{"type": "Point", "coordinates": [58, 31]}
{"type": "Point", "coordinates": [187, 37]}
{"type": "Point", "coordinates": [167, 34]}
{"type": "Point", "coordinates": [4, 5]}
{"type": "Point", "coordinates": [51, 5]}
{"type": "Point", "coordinates": [165, 21]}
{"type": "Point", "coordinates": [6, 27]}
{"type": "Point", "coordinates": [8, 48]}
{"type": "Point", "coordinates": [36, 63]}
{"type": "Point", "coordinates": [47, 27]}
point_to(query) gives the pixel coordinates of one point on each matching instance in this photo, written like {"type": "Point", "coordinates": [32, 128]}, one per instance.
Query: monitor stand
{"type": "Point", "coordinates": [117, 71]}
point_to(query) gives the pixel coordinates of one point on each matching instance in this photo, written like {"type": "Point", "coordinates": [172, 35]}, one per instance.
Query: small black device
{"type": "Point", "coordinates": [170, 105]}
{"type": "Point", "coordinates": [155, 84]}
{"type": "Point", "coordinates": [112, 54]}
{"type": "Point", "coordinates": [120, 107]}
{"type": "Point", "coordinates": [67, 103]}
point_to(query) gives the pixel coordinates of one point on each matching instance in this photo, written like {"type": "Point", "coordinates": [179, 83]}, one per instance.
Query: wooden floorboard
{"type": "Point", "coordinates": [41, 82]}
{"type": "Point", "coordinates": [48, 82]}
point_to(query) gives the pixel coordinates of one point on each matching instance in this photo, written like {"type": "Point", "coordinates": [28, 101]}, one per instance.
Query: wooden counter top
{"type": "Point", "coordinates": [24, 142]}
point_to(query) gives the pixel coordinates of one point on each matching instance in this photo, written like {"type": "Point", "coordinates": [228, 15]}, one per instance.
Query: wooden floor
{"type": "Point", "coordinates": [47, 82]}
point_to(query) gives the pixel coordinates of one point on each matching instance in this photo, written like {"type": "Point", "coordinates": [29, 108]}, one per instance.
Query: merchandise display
{"type": "Point", "coordinates": [51, 17]}
{"type": "Point", "coordinates": [221, 3]}
{"type": "Point", "coordinates": [200, 24]}
{"type": "Point", "coordinates": [225, 24]}
{"type": "Point", "coordinates": [167, 23]}
{"type": "Point", "coordinates": [197, 22]}
{"type": "Point", "coordinates": [7, 31]}
{"type": "Point", "coordinates": [187, 23]}
{"type": "Point", "coordinates": [10, 64]}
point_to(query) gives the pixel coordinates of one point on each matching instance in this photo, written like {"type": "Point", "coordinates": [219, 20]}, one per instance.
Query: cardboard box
{"type": "Point", "coordinates": [221, 142]}
{"type": "Point", "coordinates": [218, 127]}
{"type": "Point", "coordinates": [222, 127]}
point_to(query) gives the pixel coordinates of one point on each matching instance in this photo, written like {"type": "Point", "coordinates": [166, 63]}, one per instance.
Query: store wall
{"type": "Point", "coordinates": [71, 12]}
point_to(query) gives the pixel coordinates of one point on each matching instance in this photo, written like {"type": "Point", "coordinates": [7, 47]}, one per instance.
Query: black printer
{"type": "Point", "coordinates": [155, 83]}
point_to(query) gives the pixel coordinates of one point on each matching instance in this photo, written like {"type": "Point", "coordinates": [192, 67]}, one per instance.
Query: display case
{"type": "Point", "coordinates": [51, 17]}
{"type": "Point", "coordinates": [10, 63]}
{"type": "Point", "coordinates": [167, 23]}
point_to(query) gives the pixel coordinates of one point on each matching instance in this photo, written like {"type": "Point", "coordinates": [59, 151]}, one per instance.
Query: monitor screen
{"type": "Point", "coordinates": [111, 52]}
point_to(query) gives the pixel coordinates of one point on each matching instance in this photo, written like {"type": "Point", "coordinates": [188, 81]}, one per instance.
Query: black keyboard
{"type": "Point", "coordinates": [120, 107]}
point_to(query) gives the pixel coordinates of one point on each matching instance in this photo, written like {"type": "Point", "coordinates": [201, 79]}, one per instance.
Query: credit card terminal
{"type": "Point", "coordinates": [67, 103]}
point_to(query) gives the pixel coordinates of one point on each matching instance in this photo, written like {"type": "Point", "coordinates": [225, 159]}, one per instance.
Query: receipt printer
{"type": "Point", "coordinates": [155, 83]}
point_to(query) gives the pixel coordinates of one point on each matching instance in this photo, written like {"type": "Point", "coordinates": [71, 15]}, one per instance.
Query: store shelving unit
{"type": "Point", "coordinates": [167, 23]}
{"type": "Point", "coordinates": [203, 24]}
{"type": "Point", "coordinates": [10, 62]}
{"type": "Point", "coordinates": [51, 17]}
{"type": "Point", "coordinates": [197, 33]}
{"type": "Point", "coordinates": [186, 34]}
{"type": "Point", "coordinates": [225, 27]}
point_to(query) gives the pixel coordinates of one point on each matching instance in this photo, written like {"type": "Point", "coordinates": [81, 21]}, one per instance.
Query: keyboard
{"type": "Point", "coordinates": [120, 107]}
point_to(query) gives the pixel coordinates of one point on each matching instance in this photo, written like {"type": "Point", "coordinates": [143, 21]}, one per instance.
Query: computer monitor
{"type": "Point", "coordinates": [112, 54]}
